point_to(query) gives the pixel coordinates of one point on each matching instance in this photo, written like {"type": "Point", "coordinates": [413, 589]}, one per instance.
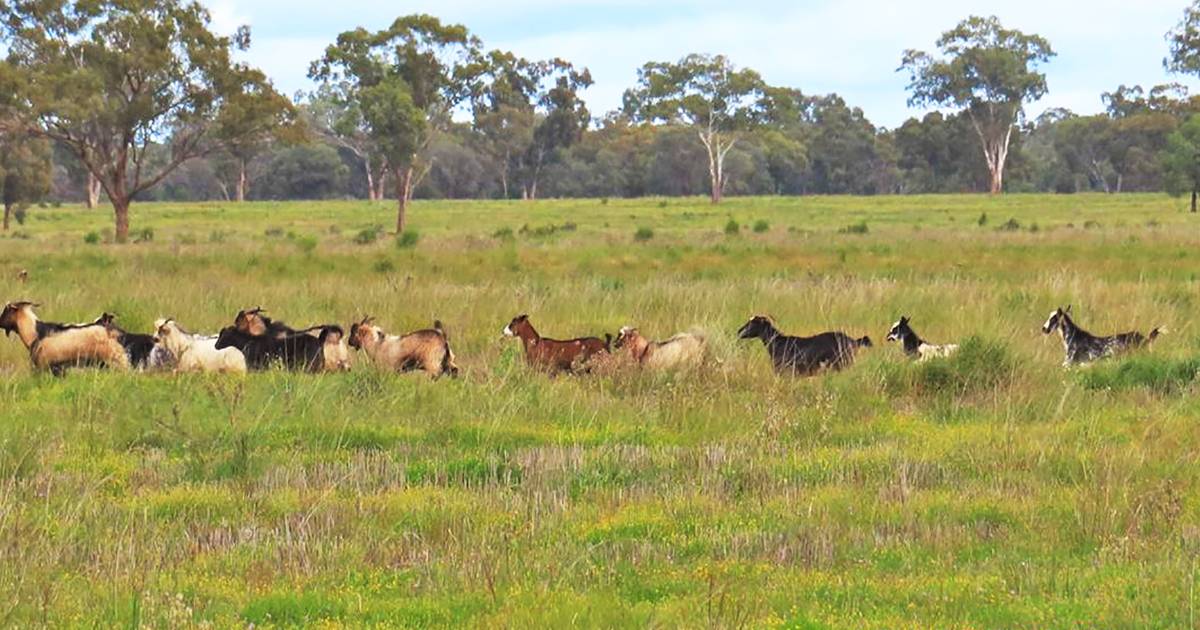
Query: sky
{"type": "Point", "coordinates": [851, 47]}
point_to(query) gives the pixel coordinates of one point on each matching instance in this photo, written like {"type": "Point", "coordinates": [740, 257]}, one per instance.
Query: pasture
{"type": "Point", "coordinates": [989, 491]}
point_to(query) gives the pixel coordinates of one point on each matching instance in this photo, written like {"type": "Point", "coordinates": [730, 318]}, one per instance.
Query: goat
{"type": "Point", "coordinates": [685, 350]}
{"type": "Point", "coordinates": [197, 353]}
{"type": "Point", "coordinates": [324, 352]}
{"type": "Point", "coordinates": [427, 350]}
{"type": "Point", "coordinates": [803, 356]}
{"type": "Point", "coordinates": [915, 347]}
{"type": "Point", "coordinates": [57, 347]}
{"type": "Point", "coordinates": [144, 351]}
{"type": "Point", "coordinates": [252, 322]}
{"type": "Point", "coordinates": [552, 354]}
{"type": "Point", "coordinates": [1084, 347]}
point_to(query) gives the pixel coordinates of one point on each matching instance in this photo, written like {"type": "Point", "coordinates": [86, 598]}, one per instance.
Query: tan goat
{"type": "Point", "coordinates": [683, 351]}
{"type": "Point", "coordinates": [426, 350]}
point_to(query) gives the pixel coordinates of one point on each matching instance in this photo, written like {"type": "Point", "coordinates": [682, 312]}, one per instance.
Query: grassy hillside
{"type": "Point", "coordinates": [993, 490]}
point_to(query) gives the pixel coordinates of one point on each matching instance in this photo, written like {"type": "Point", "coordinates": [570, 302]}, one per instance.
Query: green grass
{"type": "Point", "coordinates": [991, 490]}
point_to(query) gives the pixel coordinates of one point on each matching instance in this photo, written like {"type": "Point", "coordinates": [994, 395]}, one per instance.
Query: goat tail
{"type": "Point", "coordinates": [448, 365]}
{"type": "Point", "coordinates": [1156, 333]}
{"type": "Point", "coordinates": [438, 326]}
{"type": "Point", "coordinates": [699, 333]}
{"type": "Point", "coordinates": [608, 339]}
{"type": "Point", "coordinates": [865, 342]}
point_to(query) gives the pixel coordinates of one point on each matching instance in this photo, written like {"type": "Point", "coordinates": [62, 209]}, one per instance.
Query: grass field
{"type": "Point", "coordinates": [997, 490]}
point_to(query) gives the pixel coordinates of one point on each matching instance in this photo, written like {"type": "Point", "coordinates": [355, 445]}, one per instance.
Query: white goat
{"type": "Point", "coordinates": [197, 353]}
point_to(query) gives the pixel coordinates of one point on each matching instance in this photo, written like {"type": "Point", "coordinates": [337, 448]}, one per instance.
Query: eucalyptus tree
{"type": "Point", "coordinates": [25, 172]}
{"type": "Point", "coordinates": [113, 80]}
{"type": "Point", "coordinates": [987, 72]}
{"type": "Point", "coordinates": [527, 112]}
{"type": "Point", "coordinates": [707, 93]}
{"type": "Point", "coordinates": [405, 82]}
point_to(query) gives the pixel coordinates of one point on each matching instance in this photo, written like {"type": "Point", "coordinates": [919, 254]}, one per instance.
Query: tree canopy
{"type": "Point", "coordinates": [987, 71]}
{"type": "Point", "coordinates": [110, 79]}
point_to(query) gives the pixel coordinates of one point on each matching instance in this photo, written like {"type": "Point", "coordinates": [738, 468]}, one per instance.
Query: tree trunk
{"type": "Point", "coordinates": [241, 183]}
{"type": "Point", "coordinates": [1120, 179]}
{"type": "Point", "coordinates": [372, 194]}
{"type": "Point", "coordinates": [403, 192]}
{"type": "Point", "coordinates": [7, 215]}
{"type": "Point", "coordinates": [381, 186]}
{"type": "Point", "coordinates": [1195, 192]}
{"type": "Point", "coordinates": [93, 191]}
{"type": "Point", "coordinates": [121, 211]}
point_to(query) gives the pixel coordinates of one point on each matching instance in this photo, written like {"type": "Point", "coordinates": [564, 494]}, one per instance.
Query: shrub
{"type": "Point", "coordinates": [1090, 224]}
{"type": "Point", "coordinates": [407, 239]}
{"type": "Point", "coordinates": [20, 214]}
{"type": "Point", "coordinates": [145, 235]}
{"type": "Point", "coordinates": [761, 226]}
{"type": "Point", "coordinates": [643, 234]}
{"type": "Point", "coordinates": [21, 235]}
{"type": "Point", "coordinates": [273, 232]}
{"type": "Point", "coordinates": [983, 220]}
{"type": "Point", "coordinates": [92, 238]}
{"type": "Point", "coordinates": [1011, 225]}
{"type": "Point", "coordinates": [366, 236]}
{"type": "Point", "coordinates": [187, 238]}
{"type": "Point", "coordinates": [980, 364]}
{"type": "Point", "coordinates": [732, 228]}
{"type": "Point", "coordinates": [1161, 375]}
{"type": "Point", "coordinates": [663, 204]}
{"type": "Point", "coordinates": [306, 244]}
{"type": "Point", "coordinates": [218, 236]}
{"type": "Point", "coordinates": [384, 265]}
{"type": "Point", "coordinates": [856, 228]}
{"type": "Point", "coordinates": [503, 234]}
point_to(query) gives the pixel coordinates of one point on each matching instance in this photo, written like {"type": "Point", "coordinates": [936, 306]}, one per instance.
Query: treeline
{"type": "Point", "coordinates": [829, 147]}
{"type": "Point", "coordinates": [142, 101]}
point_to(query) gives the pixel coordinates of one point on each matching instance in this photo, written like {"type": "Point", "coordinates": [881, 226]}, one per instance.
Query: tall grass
{"type": "Point", "coordinates": [993, 489]}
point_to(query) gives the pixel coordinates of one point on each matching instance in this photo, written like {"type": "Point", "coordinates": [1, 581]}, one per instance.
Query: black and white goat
{"type": "Point", "coordinates": [144, 351]}
{"type": "Point", "coordinates": [803, 356]}
{"type": "Point", "coordinates": [1084, 347]}
{"type": "Point", "coordinates": [916, 348]}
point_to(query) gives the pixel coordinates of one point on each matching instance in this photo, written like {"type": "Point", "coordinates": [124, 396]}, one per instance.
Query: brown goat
{"type": "Point", "coordinates": [57, 347]}
{"type": "Point", "coordinates": [556, 355]}
{"type": "Point", "coordinates": [427, 350]}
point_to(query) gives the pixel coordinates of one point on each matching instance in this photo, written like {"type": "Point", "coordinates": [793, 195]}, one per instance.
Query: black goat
{"type": "Point", "coordinates": [300, 351]}
{"type": "Point", "coordinates": [803, 356]}
{"type": "Point", "coordinates": [143, 351]}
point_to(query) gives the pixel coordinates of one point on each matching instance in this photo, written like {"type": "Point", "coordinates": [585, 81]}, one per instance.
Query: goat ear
{"type": "Point", "coordinates": [1068, 309]}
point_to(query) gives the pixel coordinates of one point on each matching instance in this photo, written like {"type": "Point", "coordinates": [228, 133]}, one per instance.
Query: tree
{"type": "Point", "coordinates": [706, 93]}
{"type": "Point", "coordinates": [25, 171]}
{"type": "Point", "coordinates": [334, 115]}
{"type": "Point", "coordinates": [1181, 161]}
{"type": "Point", "coordinates": [248, 125]}
{"type": "Point", "coordinates": [112, 78]}
{"type": "Point", "coordinates": [987, 71]}
{"type": "Point", "coordinates": [527, 112]}
{"type": "Point", "coordinates": [1183, 43]}
{"type": "Point", "coordinates": [405, 81]}
{"type": "Point", "coordinates": [1084, 144]}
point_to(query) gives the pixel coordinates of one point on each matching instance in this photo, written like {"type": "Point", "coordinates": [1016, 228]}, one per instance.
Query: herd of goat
{"type": "Point", "coordinates": [256, 342]}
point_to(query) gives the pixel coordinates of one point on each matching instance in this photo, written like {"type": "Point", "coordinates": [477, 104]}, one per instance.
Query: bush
{"type": "Point", "coordinates": [733, 228]}
{"type": "Point", "coordinates": [761, 226]}
{"type": "Point", "coordinates": [384, 265]}
{"type": "Point", "coordinates": [980, 364]}
{"type": "Point", "coordinates": [273, 232]}
{"type": "Point", "coordinates": [856, 228]}
{"type": "Point", "coordinates": [218, 236]}
{"type": "Point", "coordinates": [1011, 225]}
{"type": "Point", "coordinates": [663, 204]}
{"type": "Point", "coordinates": [1161, 375]}
{"type": "Point", "coordinates": [145, 235]}
{"type": "Point", "coordinates": [983, 220]}
{"type": "Point", "coordinates": [643, 234]}
{"type": "Point", "coordinates": [92, 238]}
{"type": "Point", "coordinates": [503, 234]}
{"type": "Point", "coordinates": [369, 235]}
{"type": "Point", "coordinates": [20, 214]}
{"type": "Point", "coordinates": [407, 239]}
{"type": "Point", "coordinates": [306, 244]}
